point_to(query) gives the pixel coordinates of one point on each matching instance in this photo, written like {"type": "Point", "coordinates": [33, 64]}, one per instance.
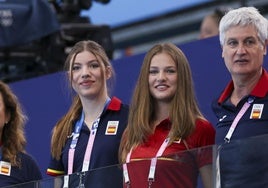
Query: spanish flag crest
{"type": "Point", "coordinates": [111, 128]}
{"type": "Point", "coordinates": [5, 168]}
{"type": "Point", "coordinates": [256, 111]}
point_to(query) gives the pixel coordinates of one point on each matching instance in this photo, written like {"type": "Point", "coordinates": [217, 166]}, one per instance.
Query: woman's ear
{"type": "Point", "coordinates": [108, 72]}
{"type": "Point", "coordinates": [69, 75]}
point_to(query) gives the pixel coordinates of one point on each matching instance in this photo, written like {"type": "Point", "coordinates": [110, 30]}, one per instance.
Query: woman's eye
{"type": "Point", "coordinates": [95, 65]}
{"type": "Point", "coordinates": [75, 68]}
{"type": "Point", "coordinates": [170, 71]}
{"type": "Point", "coordinates": [153, 71]}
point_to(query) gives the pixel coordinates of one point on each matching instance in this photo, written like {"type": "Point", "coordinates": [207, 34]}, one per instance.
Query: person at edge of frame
{"type": "Point", "coordinates": [242, 107]}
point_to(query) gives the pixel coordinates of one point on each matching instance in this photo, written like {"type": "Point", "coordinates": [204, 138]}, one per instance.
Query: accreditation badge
{"type": "Point", "coordinates": [5, 168]}
{"type": "Point", "coordinates": [256, 111]}
{"type": "Point", "coordinates": [111, 128]}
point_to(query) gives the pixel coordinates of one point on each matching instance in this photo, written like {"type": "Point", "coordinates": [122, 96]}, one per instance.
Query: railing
{"type": "Point", "coordinates": [242, 163]}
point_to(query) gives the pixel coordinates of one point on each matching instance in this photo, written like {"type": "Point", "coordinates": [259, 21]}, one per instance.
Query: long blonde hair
{"type": "Point", "coordinates": [184, 109]}
{"type": "Point", "coordinates": [63, 127]}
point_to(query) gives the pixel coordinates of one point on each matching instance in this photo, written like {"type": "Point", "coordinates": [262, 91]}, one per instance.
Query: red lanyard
{"type": "Point", "coordinates": [151, 175]}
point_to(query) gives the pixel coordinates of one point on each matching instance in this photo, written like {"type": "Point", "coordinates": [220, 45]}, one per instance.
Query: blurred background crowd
{"type": "Point", "coordinates": [36, 35]}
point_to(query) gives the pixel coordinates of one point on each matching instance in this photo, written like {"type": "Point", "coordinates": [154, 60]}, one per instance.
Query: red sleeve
{"type": "Point", "coordinates": [203, 140]}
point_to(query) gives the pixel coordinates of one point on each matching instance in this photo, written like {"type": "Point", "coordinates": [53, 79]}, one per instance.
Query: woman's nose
{"type": "Point", "coordinates": [85, 72]}
{"type": "Point", "coordinates": [161, 76]}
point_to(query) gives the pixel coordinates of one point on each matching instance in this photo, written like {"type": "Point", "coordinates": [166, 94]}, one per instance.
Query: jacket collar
{"type": "Point", "coordinates": [260, 90]}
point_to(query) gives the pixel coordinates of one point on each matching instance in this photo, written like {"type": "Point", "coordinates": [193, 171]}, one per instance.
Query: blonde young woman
{"type": "Point", "coordinates": [88, 136]}
{"type": "Point", "coordinates": [164, 121]}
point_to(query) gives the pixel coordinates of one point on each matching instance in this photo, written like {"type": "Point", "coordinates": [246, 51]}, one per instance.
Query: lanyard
{"type": "Point", "coordinates": [151, 175]}
{"type": "Point", "coordinates": [229, 135]}
{"type": "Point", "coordinates": [237, 118]}
{"type": "Point", "coordinates": [90, 143]}
{"type": "Point", "coordinates": [75, 136]}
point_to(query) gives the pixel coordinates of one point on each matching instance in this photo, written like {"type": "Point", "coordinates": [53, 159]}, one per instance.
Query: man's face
{"type": "Point", "coordinates": [242, 50]}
